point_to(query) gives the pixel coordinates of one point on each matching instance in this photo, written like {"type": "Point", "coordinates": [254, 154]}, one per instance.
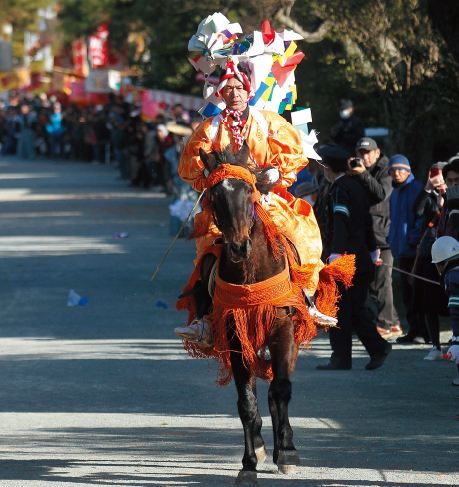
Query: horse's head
{"type": "Point", "coordinates": [232, 198]}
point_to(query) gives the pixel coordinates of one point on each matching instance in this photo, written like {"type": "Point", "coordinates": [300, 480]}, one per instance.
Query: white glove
{"type": "Point", "coordinates": [454, 351]}
{"type": "Point", "coordinates": [333, 257]}
{"type": "Point", "coordinates": [374, 255]}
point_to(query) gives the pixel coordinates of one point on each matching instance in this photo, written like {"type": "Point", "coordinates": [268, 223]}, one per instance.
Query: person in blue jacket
{"type": "Point", "coordinates": [404, 236]}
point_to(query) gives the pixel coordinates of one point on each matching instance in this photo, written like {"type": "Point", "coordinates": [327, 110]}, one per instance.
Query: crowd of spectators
{"type": "Point", "coordinates": [144, 151]}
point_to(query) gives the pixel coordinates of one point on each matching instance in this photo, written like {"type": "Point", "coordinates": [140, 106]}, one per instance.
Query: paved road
{"type": "Point", "coordinates": [103, 394]}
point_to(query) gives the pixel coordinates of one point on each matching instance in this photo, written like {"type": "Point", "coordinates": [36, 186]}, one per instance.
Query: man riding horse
{"type": "Point", "coordinates": [272, 142]}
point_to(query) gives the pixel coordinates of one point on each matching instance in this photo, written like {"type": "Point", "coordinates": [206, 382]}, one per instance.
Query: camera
{"type": "Point", "coordinates": [358, 161]}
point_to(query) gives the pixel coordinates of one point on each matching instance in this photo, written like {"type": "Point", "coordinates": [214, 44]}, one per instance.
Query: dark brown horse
{"type": "Point", "coordinates": [247, 259]}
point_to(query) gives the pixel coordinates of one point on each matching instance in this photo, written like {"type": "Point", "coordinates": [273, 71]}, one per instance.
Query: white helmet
{"type": "Point", "coordinates": [445, 248]}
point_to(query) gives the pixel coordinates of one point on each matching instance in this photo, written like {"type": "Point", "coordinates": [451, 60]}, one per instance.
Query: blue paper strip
{"type": "Point", "coordinates": [259, 93]}
{"type": "Point", "coordinates": [211, 110]}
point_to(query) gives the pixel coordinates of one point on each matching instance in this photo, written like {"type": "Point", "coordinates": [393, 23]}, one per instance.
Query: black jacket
{"type": "Point", "coordinates": [346, 133]}
{"type": "Point", "coordinates": [425, 206]}
{"type": "Point", "coordinates": [378, 185]}
{"type": "Point", "coordinates": [349, 223]}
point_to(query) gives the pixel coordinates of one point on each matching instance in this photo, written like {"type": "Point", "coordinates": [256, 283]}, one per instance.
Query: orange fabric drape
{"type": "Point", "coordinates": [281, 149]}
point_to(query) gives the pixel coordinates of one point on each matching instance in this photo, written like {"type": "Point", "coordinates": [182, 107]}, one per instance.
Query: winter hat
{"type": "Point", "coordinates": [399, 162]}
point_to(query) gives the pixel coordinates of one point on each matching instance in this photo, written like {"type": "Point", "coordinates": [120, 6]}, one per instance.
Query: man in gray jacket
{"type": "Point", "coordinates": [371, 172]}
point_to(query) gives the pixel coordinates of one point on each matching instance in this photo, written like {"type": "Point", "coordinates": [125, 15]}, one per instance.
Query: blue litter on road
{"type": "Point", "coordinates": [76, 300]}
{"type": "Point", "coordinates": [161, 304]}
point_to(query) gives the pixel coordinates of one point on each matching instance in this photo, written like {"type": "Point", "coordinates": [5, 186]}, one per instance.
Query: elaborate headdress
{"type": "Point", "coordinates": [271, 57]}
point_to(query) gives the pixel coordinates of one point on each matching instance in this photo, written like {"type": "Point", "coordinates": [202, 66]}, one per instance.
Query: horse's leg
{"type": "Point", "coordinates": [284, 352]}
{"type": "Point", "coordinates": [259, 444]}
{"type": "Point", "coordinates": [248, 409]}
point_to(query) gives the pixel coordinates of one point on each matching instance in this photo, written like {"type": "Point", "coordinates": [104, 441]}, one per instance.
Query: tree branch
{"type": "Point", "coordinates": [311, 37]}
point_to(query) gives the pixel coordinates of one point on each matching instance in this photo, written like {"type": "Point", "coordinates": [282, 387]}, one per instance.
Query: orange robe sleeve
{"type": "Point", "coordinates": [191, 168]}
{"type": "Point", "coordinates": [286, 148]}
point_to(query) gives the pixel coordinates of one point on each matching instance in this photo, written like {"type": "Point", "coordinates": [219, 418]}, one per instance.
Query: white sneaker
{"type": "Point", "coordinates": [434, 354]}
{"type": "Point", "coordinates": [320, 318]}
{"type": "Point", "coordinates": [198, 331]}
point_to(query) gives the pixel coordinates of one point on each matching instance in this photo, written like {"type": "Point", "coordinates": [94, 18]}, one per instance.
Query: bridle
{"type": "Point", "coordinates": [254, 216]}
{"type": "Point", "coordinates": [228, 171]}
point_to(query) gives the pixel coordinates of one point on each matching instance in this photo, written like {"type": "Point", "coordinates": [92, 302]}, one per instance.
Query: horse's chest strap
{"type": "Point", "coordinates": [274, 290]}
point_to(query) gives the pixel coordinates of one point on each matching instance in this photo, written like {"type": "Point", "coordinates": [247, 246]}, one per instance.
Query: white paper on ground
{"type": "Point", "coordinates": [74, 298]}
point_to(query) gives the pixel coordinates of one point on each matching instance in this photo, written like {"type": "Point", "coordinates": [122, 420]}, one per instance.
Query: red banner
{"type": "Point", "coordinates": [98, 47]}
{"type": "Point", "coordinates": [80, 61]}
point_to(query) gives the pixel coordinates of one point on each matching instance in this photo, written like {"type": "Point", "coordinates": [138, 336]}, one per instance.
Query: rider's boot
{"type": "Point", "coordinates": [199, 332]}
{"type": "Point", "coordinates": [320, 319]}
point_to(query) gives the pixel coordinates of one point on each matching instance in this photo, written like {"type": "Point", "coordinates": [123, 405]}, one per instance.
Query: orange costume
{"type": "Point", "coordinates": [272, 142]}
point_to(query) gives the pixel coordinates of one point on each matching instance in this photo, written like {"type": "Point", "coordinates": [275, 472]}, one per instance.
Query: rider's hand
{"type": "Point", "coordinates": [375, 255]}
{"type": "Point", "coordinates": [333, 257]}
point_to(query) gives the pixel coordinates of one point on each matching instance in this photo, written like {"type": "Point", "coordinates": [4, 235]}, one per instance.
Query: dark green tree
{"type": "Point", "coordinates": [386, 54]}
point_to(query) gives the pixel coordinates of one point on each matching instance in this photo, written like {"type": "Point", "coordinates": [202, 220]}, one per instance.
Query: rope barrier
{"type": "Point", "coordinates": [408, 273]}
{"type": "Point", "coordinates": [176, 237]}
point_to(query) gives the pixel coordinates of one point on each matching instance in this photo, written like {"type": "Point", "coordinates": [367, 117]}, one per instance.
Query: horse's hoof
{"type": "Point", "coordinates": [287, 469]}
{"type": "Point", "coordinates": [247, 477]}
{"type": "Point", "coordinates": [287, 461]}
{"type": "Point", "coordinates": [261, 454]}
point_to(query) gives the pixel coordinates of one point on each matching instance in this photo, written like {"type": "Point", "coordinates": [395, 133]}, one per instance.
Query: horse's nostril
{"type": "Point", "coordinates": [235, 247]}
{"type": "Point", "coordinates": [244, 248]}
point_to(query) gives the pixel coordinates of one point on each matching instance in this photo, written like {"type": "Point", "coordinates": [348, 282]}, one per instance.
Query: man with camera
{"type": "Point", "coordinates": [369, 169]}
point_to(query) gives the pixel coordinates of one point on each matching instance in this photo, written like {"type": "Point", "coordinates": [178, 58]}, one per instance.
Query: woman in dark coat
{"type": "Point", "coordinates": [430, 300]}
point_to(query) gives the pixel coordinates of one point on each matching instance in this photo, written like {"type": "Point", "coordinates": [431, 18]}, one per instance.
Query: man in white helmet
{"type": "Point", "coordinates": [445, 255]}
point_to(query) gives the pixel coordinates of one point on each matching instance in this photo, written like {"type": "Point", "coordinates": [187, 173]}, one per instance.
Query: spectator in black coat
{"type": "Point", "coordinates": [350, 230]}
{"type": "Point", "coordinates": [370, 171]}
{"type": "Point", "coordinates": [429, 299]}
{"type": "Point", "coordinates": [350, 129]}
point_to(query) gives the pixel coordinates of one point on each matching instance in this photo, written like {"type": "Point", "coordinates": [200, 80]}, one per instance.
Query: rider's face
{"type": "Point", "coordinates": [235, 95]}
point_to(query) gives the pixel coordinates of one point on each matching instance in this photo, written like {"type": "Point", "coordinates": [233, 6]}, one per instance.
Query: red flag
{"type": "Point", "coordinates": [98, 46]}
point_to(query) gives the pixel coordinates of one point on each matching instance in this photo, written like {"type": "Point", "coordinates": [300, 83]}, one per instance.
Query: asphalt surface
{"type": "Point", "coordinates": [103, 394]}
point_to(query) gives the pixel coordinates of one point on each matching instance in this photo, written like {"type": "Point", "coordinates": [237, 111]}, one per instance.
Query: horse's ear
{"type": "Point", "coordinates": [267, 178]}
{"type": "Point", "coordinates": [208, 160]}
{"type": "Point", "coordinates": [243, 154]}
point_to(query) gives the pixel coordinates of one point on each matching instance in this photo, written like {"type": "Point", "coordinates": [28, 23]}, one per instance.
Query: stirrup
{"type": "Point", "coordinates": [197, 332]}
{"type": "Point", "coordinates": [320, 319]}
